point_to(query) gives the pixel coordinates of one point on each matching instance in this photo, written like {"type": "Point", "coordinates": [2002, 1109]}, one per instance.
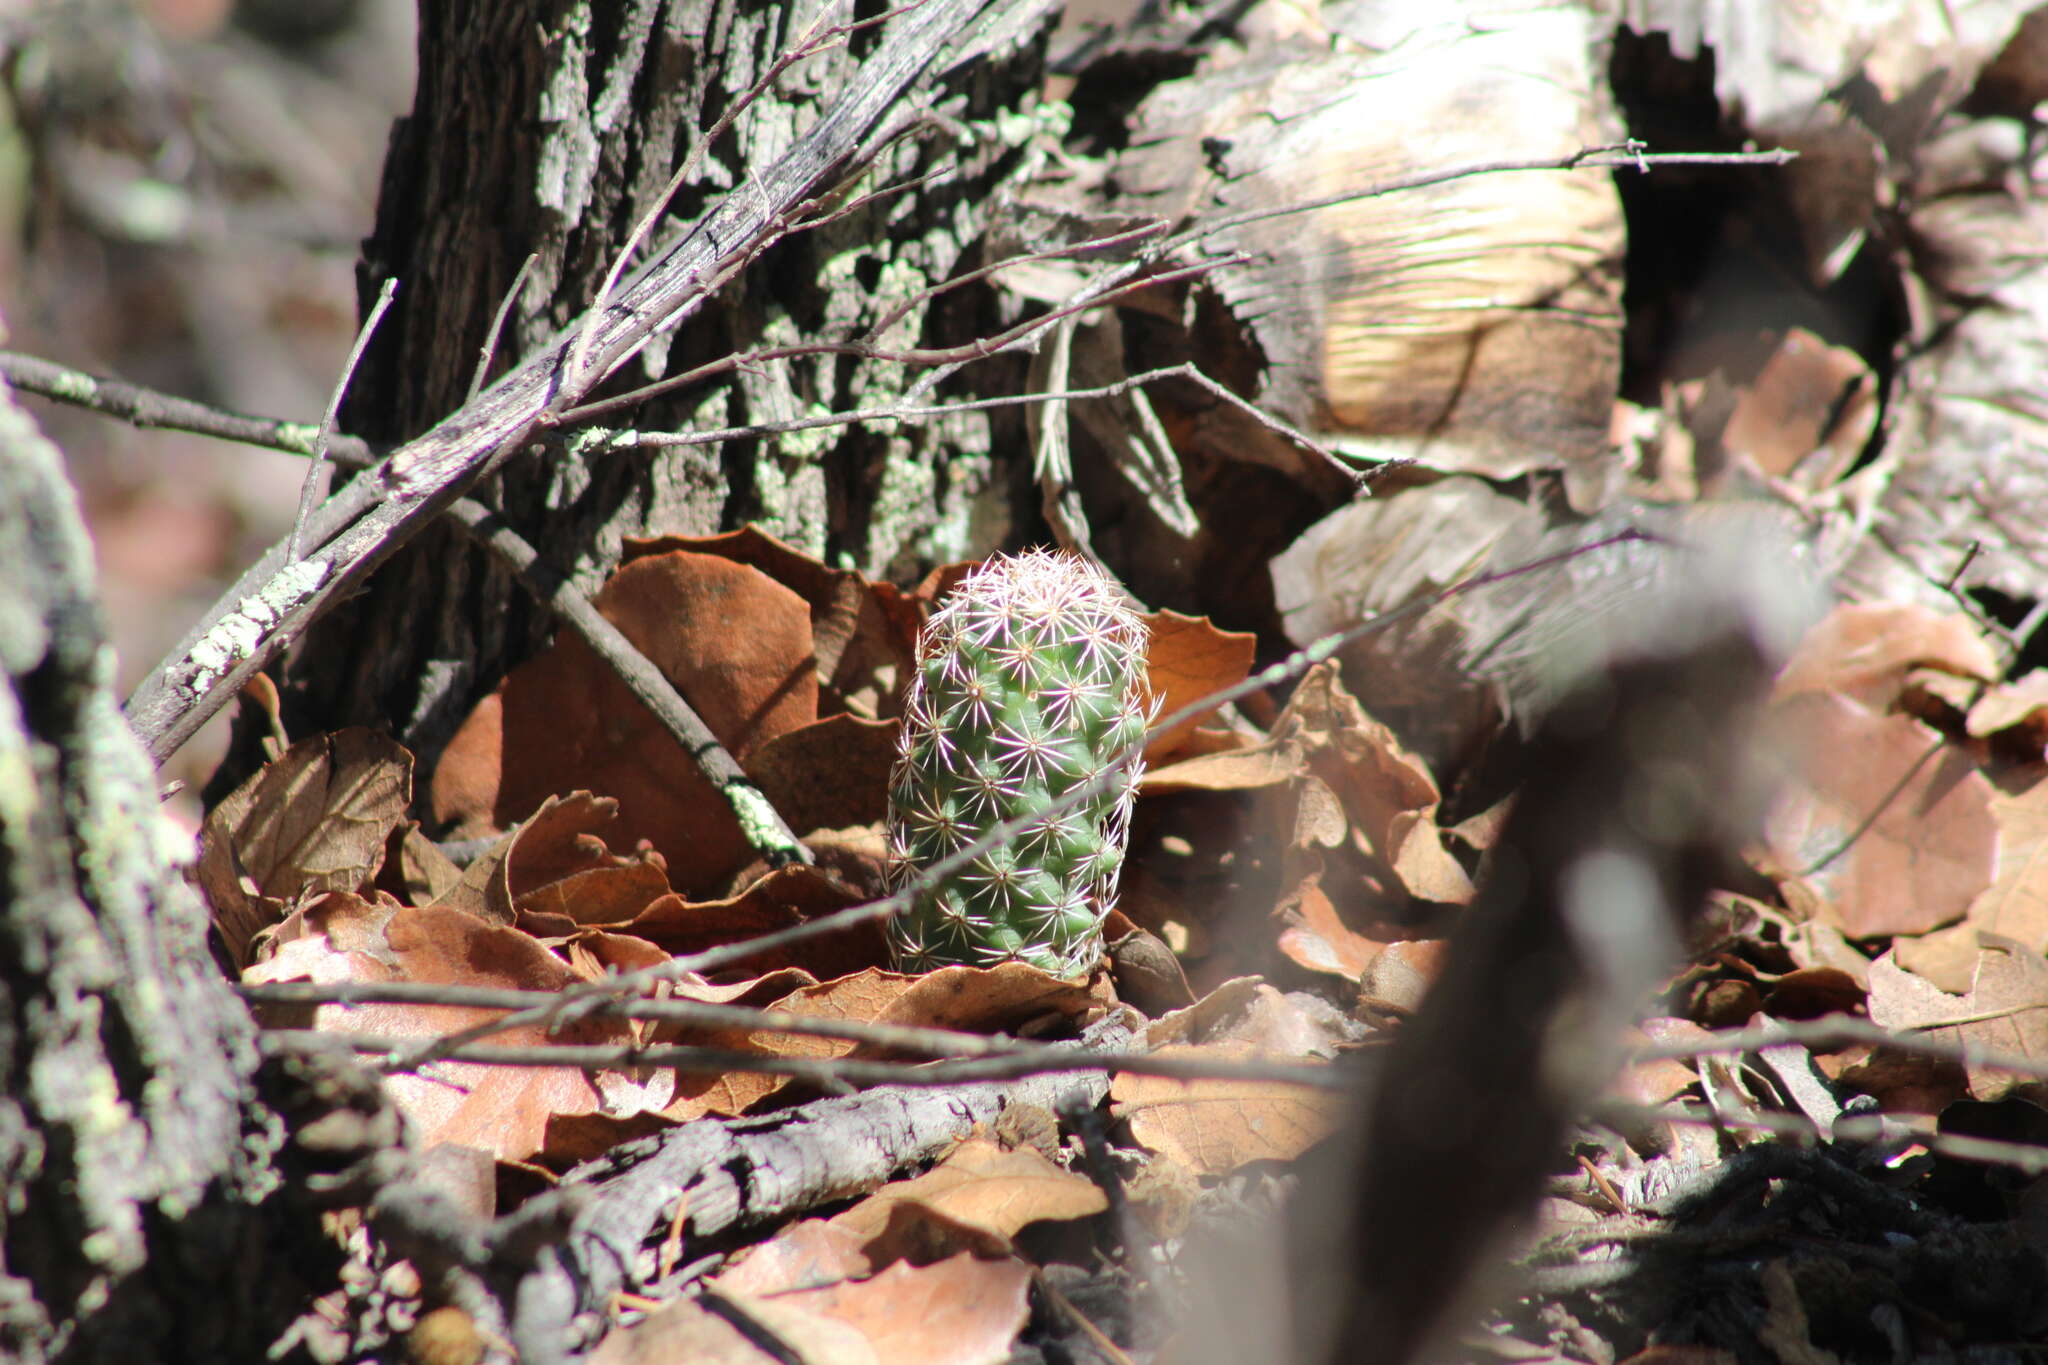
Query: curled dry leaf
{"type": "Point", "coordinates": [976, 1198]}
{"type": "Point", "coordinates": [737, 646]}
{"type": "Point", "coordinates": [2016, 712]}
{"type": "Point", "coordinates": [1356, 786]}
{"type": "Point", "coordinates": [501, 1110]}
{"type": "Point", "coordinates": [316, 819]}
{"type": "Point", "coordinates": [1188, 657]}
{"type": "Point", "coordinates": [1863, 651]}
{"type": "Point", "coordinates": [786, 897]}
{"type": "Point", "coordinates": [1213, 1127]}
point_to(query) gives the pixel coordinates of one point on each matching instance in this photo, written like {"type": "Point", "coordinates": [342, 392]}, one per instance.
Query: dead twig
{"type": "Point", "coordinates": [145, 407]}
{"type": "Point", "coordinates": [838, 1075]}
{"type": "Point", "coordinates": [898, 1037]}
{"type": "Point", "coordinates": [332, 417]}
{"type": "Point", "coordinates": [762, 825]}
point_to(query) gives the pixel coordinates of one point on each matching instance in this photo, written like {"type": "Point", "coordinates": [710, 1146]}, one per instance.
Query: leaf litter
{"type": "Point", "coordinates": [317, 875]}
{"type": "Point", "coordinates": [1302, 857]}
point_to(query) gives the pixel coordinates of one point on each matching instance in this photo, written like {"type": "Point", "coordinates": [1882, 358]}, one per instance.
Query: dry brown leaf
{"type": "Point", "coordinates": [1263, 765]}
{"type": "Point", "coordinates": [830, 775]}
{"type": "Point", "coordinates": [558, 864]}
{"type": "Point", "coordinates": [1388, 794]}
{"type": "Point", "coordinates": [1807, 414]}
{"type": "Point", "coordinates": [2020, 705]}
{"type": "Point", "coordinates": [1403, 973]}
{"type": "Point", "coordinates": [961, 1311]}
{"type": "Point", "coordinates": [1663, 1080]}
{"type": "Point", "coordinates": [1214, 1127]}
{"type": "Point", "coordinates": [1346, 768]}
{"type": "Point", "coordinates": [2005, 1009]}
{"type": "Point", "coordinates": [865, 633]}
{"type": "Point", "coordinates": [1864, 651]}
{"type": "Point", "coordinates": [501, 1110]}
{"type": "Point", "coordinates": [317, 819]}
{"type": "Point", "coordinates": [982, 1196]}
{"type": "Point", "coordinates": [1318, 939]}
{"type": "Point", "coordinates": [976, 999]}
{"type": "Point", "coordinates": [804, 1255]}
{"type": "Point", "coordinates": [736, 645]}
{"type": "Point", "coordinates": [1888, 836]}
{"type": "Point", "coordinates": [416, 870]}
{"type": "Point", "coordinates": [1186, 658]}
{"type": "Point", "coordinates": [2016, 902]}
{"type": "Point", "coordinates": [1946, 958]}
{"type": "Point", "coordinates": [680, 1330]}
{"type": "Point", "coordinates": [785, 897]}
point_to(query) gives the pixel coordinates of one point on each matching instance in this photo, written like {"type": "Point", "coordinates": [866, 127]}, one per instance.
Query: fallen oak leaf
{"type": "Point", "coordinates": [735, 644]}
{"type": "Point", "coordinates": [980, 1194]}
{"type": "Point", "coordinates": [1213, 1127]}
{"type": "Point", "coordinates": [1887, 828]}
{"type": "Point", "coordinates": [501, 1110]}
{"type": "Point", "coordinates": [961, 1311]}
{"type": "Point", "coordinates": [315, 819]}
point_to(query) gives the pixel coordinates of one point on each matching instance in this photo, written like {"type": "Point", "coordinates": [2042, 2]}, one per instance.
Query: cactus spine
{"type": "Point", "coordinates": [1031, 681]}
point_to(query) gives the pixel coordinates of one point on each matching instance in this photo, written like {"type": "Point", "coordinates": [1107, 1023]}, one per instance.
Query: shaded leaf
{"type": "Point", "coordinates": [317, 819]}
{"type": "Point", "coordinates": [830, 775]}
{"type": "Point", "coordinates": [983, 1194]}
{"type": "Point", "coordinates": [736, 645]}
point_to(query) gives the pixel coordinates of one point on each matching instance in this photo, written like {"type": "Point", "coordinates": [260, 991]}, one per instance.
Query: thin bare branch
{"type": "Point", "coordinates": [899, 1037]}
{"type": "Point", "coordinates": [840, 1074]}
{"type": "Point", "coordinates": [1837, 1030]}
{"type": "Point", "coordinates": [816, 39]}
{"type": "Point", "coordinates": [763, 827]}
{"type": "Point", "coordinates": [146, 407]}
{"type": "Point", "coordinates": [332, 418]}
{"type": "Point", "coordinates": [497, 327]}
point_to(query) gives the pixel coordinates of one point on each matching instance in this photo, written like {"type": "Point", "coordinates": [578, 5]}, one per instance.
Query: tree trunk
{"type": "Point", "coordinates": [142, 1211]}
{"type": "Point", "coordinates": [551, 127]}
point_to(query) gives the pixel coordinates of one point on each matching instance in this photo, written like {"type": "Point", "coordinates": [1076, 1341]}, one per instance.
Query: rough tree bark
{"type": "Point", "coordinates": [143, 1211]}
{"type": "Point", "coordinates": [551, 127]}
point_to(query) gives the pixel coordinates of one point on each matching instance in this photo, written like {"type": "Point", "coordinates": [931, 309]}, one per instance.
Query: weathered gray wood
{"type": "Point", "coordinates": [734, 1172]}
{"type": "Point", "coordinates": [134, 1155]}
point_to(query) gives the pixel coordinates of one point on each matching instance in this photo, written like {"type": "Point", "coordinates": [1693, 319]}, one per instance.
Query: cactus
{"type": "Point", "coordinates": [1031, 681]}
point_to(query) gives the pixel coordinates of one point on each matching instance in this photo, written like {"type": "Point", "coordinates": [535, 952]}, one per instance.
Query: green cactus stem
{"type": "Point", "coordinates": [1031, 681]}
